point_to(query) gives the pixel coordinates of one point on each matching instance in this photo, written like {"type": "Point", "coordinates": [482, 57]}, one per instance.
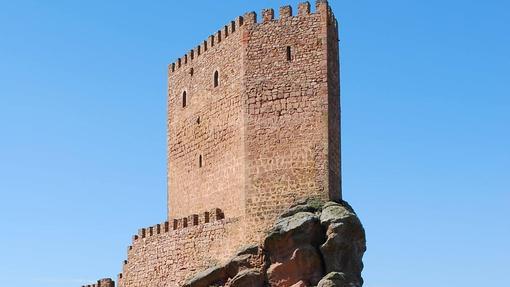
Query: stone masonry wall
{"type": "Point", "coordinates": [292, 121]}
{"type": "Point", "coordinates": [334, 109]}
{"type": "Point", "coordinates": [167, 254]}
{"type": "Point", "coordinates": [268, 134]}
{"type": "Point", "coordinates": [209, 127]}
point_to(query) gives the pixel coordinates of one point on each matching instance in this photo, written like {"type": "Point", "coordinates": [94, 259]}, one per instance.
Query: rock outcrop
{"type": "Point", "coordinates": [311, 244]}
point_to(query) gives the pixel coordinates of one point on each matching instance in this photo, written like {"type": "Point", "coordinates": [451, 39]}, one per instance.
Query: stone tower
{"type": "Point", "coordinates": [254, 116]}
{"type": "Point", "coordinates": [253, 126]}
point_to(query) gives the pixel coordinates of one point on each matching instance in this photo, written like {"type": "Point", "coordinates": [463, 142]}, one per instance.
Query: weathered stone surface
{"type": "Point", "coordinates": [291, 247]}
{"type": "Point", "coordinates": [207, 277]}
{"type": "Point", "coordinates": [304, 265]}
{"type": "Point", "coordinates": [248, 278]}
{"type": "Point", "coordinates": [247, 257]}
{"type": "Point", "coordinates": [242, 269]}
{"type": "Point", "coordinates": [303, 228]}
{"type": "Point", "coordinates": [311, 205]}
{"type": "Point", "coordinates": [238, 263]}
{"type": "Point", "coordinates": [248, 249]}
{"type": "Point", "coordinates": [345, 244]}
{"type": "Point", "coordinates": [334, 212]}
{"type": "Point", "coordinates": [334, 279]}
{"type": "Point", "coordinates": [243, 262]}
{"type": "Point", "coordinates": [296, 209]}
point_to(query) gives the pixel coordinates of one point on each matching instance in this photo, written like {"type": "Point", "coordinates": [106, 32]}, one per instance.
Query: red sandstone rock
{"type": "Point", "coordinates": [345, 244]}
{"type": "Point", "coordinates": [304, 265]}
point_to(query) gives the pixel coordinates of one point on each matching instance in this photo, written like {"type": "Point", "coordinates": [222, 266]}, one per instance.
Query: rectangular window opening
{"type": "Point", "coordinates": [289, 53]}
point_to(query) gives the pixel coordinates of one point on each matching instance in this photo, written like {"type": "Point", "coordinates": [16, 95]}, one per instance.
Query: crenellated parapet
{"type": "Point", "coordinates": [208, 44]}
{"type": "Point", "coordinates": [179, 223]}
{"type": "Point", "coordinates": [173, 230]}
{"type": "Point", "coordinates": [268, 16]}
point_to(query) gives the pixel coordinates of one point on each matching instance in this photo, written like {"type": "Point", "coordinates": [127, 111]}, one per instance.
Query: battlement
{"type": "Point", "coordinates": [250, 18]}
{"type": "Point", "coordinates": [180, 223]}
{"type": "Point", "coordinates": [170, 228]}
{"type": "Point", "coordinates": [107, 282]}
{"type": "Point", "coordinates": [208, 44]}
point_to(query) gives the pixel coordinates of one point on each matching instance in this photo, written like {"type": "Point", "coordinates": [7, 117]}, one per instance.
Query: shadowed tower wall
{"type": "Point", "coordinates": [292, 120]}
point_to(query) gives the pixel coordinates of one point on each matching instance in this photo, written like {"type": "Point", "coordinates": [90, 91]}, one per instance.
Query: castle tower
{"type": "Point", "coordinates": [254, 116]}
{"type": "Point", "coordinates": [253, 126]}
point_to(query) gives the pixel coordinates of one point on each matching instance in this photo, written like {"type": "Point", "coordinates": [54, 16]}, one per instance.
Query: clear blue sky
{"type": "Point", "coordinates": [426, 137]}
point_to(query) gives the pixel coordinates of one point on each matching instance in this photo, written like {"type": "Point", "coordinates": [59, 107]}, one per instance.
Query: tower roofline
{"type": "Point", "coordinates": [250, 18]}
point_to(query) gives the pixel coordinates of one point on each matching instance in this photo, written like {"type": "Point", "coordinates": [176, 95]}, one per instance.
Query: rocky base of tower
{"type": "Point", "coordinates": [311, 244]}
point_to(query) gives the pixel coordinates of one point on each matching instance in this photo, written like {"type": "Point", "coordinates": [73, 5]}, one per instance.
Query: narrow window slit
{"type": "Point", "coordinates": [289, 53]}
{"type": "Point", "coordinates": [216, 79]}
{"type": "Point", "coordinates": [184, 99]}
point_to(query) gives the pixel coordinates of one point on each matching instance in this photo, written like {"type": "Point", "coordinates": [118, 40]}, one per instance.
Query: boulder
{"type": "Point", "coordinates": [334, 279]}
{"type": "Point", "coordinates": [304, 265]}
{"type": "Point", "coordinates": [292, 249]}
{"type": "Point", "coordinates": [239, 270]}
{"type": "Point", "coordinates": [345, 244]}
{"type": "Point", "coordinates": [207, 278]}
{"type": "Point", "coordinates": [296, 209]}
{"type": "Point", "coordinates": [311, 205]}
{"type": "Point", "coordinates": [303, 228]}
{"type": "Point", "coordinates": [249, 249]}
{"type": "Point", "coordinates": [335, 212]}
{"type": "Point", "coordinates": [248, 278]}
